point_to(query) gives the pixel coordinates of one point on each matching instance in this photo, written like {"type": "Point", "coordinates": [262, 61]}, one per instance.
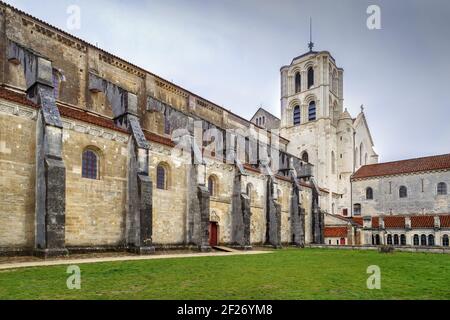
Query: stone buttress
{"type": "Point", "coordinates": [240, 212]}
{"type": "Point", "coordinates": [273, 215]}
{"type": "Point", "coordinates": [139, 192]}
{"type": "Point", "coordinates": [50, 200]}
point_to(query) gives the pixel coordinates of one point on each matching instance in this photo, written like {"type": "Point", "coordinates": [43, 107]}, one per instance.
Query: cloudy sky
{"type": "Point", "coordinates": [231, 51]}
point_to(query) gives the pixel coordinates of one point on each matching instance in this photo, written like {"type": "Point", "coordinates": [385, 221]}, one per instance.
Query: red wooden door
{"type": "Point", "coordinates": [342, 241]}
{"type": "Point", "coordinates": [213, 234]}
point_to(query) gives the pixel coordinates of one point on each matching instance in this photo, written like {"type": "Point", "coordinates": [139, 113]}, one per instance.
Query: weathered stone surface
{"type": "Point", "coordinates": [203, 198]}
{"type": "Point", "coordinates": [297, 217]}
{"type": "Point", "coordinates": [146, 226]}
{"type": "Point", "coordinates": [50, 201]}
{"type": "Point", "coordinates": [98, 211]}
{"type": "Point", "coordinates": [116, 95]}
{"type": "Point", "coordinates": [273, 216]}
{"type": "Point", "coordinates": [240, 213]}
{"type": "Point", "coordinates": [247, 215]}
{"type": "Point", "coordinates": [237, 217]}
{"type": "Point", "coordinates": [137, 133]}
{"type": "Point", "coordinates": [140, 208]}
{"type": "Point", "coordinates": [37, 70]}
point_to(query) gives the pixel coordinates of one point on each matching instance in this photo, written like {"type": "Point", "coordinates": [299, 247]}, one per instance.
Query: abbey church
{"type": "Point", "coordinates": [90, 160]}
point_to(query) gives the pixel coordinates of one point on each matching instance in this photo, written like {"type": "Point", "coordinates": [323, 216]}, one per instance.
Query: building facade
{"type": "Point", "coordinates": [318, 127]}
{"type": "Point", "coordinates": [90, 157]}
{"type": "Point", "coordinates": [97, 154]}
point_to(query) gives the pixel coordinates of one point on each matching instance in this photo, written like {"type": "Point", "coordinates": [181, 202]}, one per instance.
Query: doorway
{"type": "Point", "coordinates": [213, 230]}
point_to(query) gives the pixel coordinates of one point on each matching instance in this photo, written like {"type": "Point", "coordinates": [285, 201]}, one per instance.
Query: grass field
{"type": "Point", "coordinates": [285, 274]}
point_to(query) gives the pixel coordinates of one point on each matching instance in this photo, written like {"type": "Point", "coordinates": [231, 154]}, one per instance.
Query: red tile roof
{"type": "Point", "coordinates": [335, 232]}
{"type": "Point", "coordinates": [394, 222]}
{"type": "Point", "coordinates": [375, 222]}
{"type": "Point", "coordinates": [358, 220]}
{"type": "Point", "coordinates": [445, 221]}
{"type": "Point", "coordinates": [150, 136]}
{"type": "Point", "coordinates": [418, 222]}
{"type": "Point", "coordinates": [441, 162]}
{"type": "Point", "coordinates": [89, 118]}
{"type": "Point", "coordinates": [16, 97]}
{"type": "Point", "coordinates": [399, 222]}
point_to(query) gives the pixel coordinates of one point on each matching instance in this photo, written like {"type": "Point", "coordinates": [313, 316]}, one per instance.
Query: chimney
{"type": "Point", "coordinates": [437, 223]}
{"type": "Point", "coordinates": [381, 222]}
{"type": "Point", "coordinates": [408, 223]}
{"type": "Point", "coordinates": [367, 222]}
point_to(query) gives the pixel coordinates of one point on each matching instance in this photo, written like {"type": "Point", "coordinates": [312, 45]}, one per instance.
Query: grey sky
{"type": "Point", "coordinates": [231, 51]}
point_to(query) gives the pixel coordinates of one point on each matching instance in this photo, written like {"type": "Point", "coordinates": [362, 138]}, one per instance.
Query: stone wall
{"type": "Point", "coordinates": [95, 209]}
{"type": "Point", "coordinates": [422, 194]}
{"type": "Point", "coordinates": [169, 206]}
{"type": "Point", "coordinates": [97, 212]}
{"type": "Point", "coordinates": [17, 175]}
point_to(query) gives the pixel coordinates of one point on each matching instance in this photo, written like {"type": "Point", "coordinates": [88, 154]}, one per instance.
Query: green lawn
{"type": "Point", "coordinates": [285, 274]}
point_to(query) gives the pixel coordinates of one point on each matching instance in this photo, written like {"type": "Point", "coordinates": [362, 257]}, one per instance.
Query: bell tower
{"type": "Point", "coordinates": [311, 109]}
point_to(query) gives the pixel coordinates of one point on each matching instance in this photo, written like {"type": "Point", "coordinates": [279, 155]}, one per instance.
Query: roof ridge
{"type": "Point", "coordinates": [2, 3]}
{"type": "Point", "coordinates": [411, 159]}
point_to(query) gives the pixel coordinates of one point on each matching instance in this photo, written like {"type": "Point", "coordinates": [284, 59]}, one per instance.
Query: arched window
{"type": "Point", "coordinates": [298, 82]}
{"type": "Point", "coordinates": [416, 240]}
{"type": "Point", "coordinates": [161, 177]}
{"type": "Point", "coordinates": [423, 240]}
{"type": "Point", "coordinates": [305, 157]}
{"type": "Point", "coordinates": [312, 115]}
{"type": "Point", "coordinates": [403, 192]}
{"type": "Point", "coordinates": [90, 164]}
{"type": "Point", "coordinates": [445, 241]}
{"type": "Point", "coordinates": [333, 163]}
{"type": "Point", "coordinates": [389, 239]}
{"type": "Point", "coordinates": [396, 240]}
{"type": "Point", "coordinates": [310, 77]}
{"type": "Point", "coordinates": [403, 240]}
{"type": "Point", "coordinates": [297, 115]}
{"type": "Point", "coordinates": [442, 189]}
{"type": "Point", "coordinates": [430, 240]}
{"type": "Point", "coordinates": [369, 193]}
{"type": "Point", "coordinates": [212, 186]}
